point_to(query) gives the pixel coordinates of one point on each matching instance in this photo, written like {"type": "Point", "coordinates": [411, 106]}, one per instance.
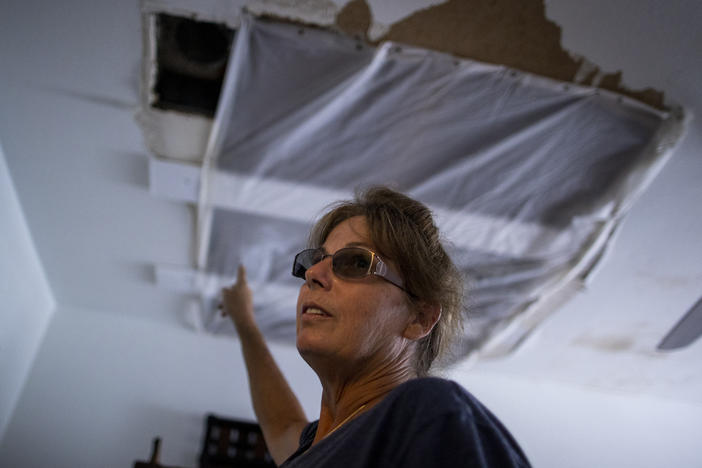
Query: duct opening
{"type": "Point", "coordinates": [191, 59]}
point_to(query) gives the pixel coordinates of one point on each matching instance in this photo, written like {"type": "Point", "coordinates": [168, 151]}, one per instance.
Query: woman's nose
{"type": "Point", "coordinates": [320, 274]}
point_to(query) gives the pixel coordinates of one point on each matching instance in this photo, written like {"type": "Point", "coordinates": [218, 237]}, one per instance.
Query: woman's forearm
{"type": "Point", "coordinates": [277, 408]}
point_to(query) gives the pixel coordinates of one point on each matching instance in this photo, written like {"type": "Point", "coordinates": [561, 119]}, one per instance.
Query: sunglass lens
{"type": "Point", "coordinates": [304, 260]}
{"type": "Point", "coordinates": [298, 269]}
{"type": "Point", "coordinates": [352, 263]}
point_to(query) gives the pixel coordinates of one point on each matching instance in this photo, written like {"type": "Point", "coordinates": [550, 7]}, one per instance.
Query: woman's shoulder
{"type": "Point", "coordinates": [435, 393]}
{"type": "Point", "coordinates": [439, 415]}
{"type": "Point", "coordinates": [433, 401]}
{"type": "Point", "coordinates": [430, 384]}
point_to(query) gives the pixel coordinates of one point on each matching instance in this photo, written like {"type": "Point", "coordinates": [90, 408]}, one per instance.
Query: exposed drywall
{"type": "Point", "coordinates": [515, 33]}
{"type": "Point", "coordinates": [355, 18]}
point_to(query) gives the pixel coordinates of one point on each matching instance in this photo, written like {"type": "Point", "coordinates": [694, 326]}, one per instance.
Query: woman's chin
{"type": "Point", "coordinates": [308, 345]}
{"type": "Point", "coordinates": [312, 348]}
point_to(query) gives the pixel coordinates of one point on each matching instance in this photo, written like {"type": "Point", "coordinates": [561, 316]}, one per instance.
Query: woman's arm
{"type": "Point", "coordinates": [278, 411]}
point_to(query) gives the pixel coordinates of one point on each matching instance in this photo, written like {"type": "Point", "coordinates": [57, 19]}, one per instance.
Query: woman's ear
{"type": "Point", "coordinates": [422, 323]}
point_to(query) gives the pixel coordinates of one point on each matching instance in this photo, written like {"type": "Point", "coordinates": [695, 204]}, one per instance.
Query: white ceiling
{"type": "Point", "coordinates": [69, 76]}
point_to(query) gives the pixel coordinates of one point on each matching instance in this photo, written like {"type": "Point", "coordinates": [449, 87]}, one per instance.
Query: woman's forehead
{"type": "Point", "coordinates": [351, 231]}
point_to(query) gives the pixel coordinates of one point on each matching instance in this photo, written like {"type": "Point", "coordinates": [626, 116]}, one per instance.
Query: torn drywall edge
{"type": "Point", "coordinates": [516, 33]}
{"type": "Point", "coordinates": [319, 12]}
{"type": "Point", "coordinates": [217, 11]}
{"type": "Point", "coordinates": [148, 59]}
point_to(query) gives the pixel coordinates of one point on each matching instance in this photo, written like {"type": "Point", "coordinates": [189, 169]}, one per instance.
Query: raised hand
{"type": "Point", "coordinates": [237, 301]}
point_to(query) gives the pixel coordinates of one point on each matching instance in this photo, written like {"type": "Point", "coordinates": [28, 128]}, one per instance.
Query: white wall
{"type": "Point", "coordinates": [562, 425]}
{"type": "Point", "coordinates": [26, 301]}
{"type": "Point", "coordinates": [103, 386]}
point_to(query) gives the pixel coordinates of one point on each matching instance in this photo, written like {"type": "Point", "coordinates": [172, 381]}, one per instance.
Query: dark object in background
{"type": "Point", "coordinates": [155, 452]}
{"type": "Point", "coordinates": [229, 443]}
{"type": "Point", "coordinates": [686, 331]}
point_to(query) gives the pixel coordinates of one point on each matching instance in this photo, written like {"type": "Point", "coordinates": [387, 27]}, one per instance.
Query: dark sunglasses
{"type": "Point", "coordinates": [347, 263]}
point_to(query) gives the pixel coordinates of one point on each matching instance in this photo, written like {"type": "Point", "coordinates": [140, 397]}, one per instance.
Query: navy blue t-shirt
{"type": "Point", "coordinates": [426, 422]}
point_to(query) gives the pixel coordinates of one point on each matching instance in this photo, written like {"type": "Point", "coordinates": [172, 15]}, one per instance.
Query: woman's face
{"type": "Point", "coordinates": [351, 321]}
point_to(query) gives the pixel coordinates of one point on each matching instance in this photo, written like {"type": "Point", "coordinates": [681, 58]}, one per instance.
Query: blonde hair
{"type": "Point", "coordinates": [403, 231]}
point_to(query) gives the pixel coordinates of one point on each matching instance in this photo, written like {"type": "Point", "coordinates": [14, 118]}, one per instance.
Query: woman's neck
{"type": "Point", "coordinates": [346, 395]}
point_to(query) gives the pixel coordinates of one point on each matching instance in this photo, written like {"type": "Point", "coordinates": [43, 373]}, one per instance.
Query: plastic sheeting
{"type": "Point", "coordinates": [528, 177]}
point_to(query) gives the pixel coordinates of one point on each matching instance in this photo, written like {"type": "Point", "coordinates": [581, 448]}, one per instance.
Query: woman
{"type": "Point", "coordinates": [379, 303]}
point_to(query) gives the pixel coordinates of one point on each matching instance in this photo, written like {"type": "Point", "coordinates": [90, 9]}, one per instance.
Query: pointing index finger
{"type": "Point", "coordinates": [241, 274]}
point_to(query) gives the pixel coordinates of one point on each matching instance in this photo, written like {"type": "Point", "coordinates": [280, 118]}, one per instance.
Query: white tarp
{"type": "Point", "coordinates": [528, 176]}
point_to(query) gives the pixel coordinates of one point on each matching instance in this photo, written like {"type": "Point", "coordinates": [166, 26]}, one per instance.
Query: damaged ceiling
{"type": "Point", "coordinates": [517, 35]}
{"type": "Point", "coordinates": [308, 114]}
{"type": "Point", "coordinates": [528, 178]}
